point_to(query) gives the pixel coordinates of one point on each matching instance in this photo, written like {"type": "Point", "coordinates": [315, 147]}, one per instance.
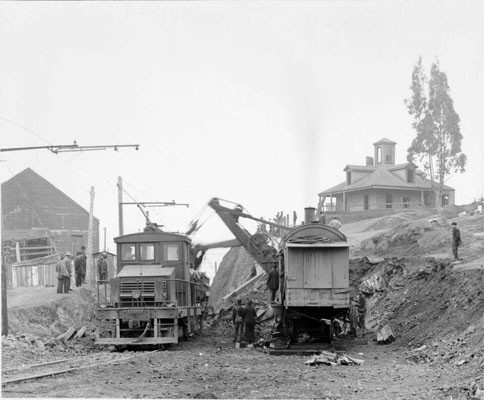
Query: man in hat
{"type": "Point", "coordinates": [102, 267]}
{"type": "Point", "coordinates": [361, 306]}
{"type": "Point", "coordinates": [456, 241]}
{"type": "Point", "coordinates": [273, 282]}
{"type": "Point", "coordinates": [60, 269]}
{"type": "Point", "coordinates": [67, 272]}
{"type": "Point", "coordinates": [78, 268]}
{"type": "Point", "coordinates": [238, 320]}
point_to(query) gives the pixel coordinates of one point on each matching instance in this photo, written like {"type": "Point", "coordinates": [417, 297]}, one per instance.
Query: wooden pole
{"type": "Point", "coordinates": [4, 274]}
{"type": "Point", "coordinates": [120, 205]}
{"type": "Point", "coordinates": [104, 247]}
{"type": "Point", "coordinates": [90, 273]}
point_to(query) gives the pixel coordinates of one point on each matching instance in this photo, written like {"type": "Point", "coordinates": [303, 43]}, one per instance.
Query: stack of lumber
{"type": "Point", "coordinates": [333, 359]}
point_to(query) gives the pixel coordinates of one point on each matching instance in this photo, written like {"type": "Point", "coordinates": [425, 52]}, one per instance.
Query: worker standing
{"type": "Point", "coordinates": [273, 282]}
{"type": "Point", "coordinates": [102, 267]}
{"type": "Point", "coordinates": [362, 310]}
{"type": "Point", "coordinates": [59, 269]}
{"type": "Point", "coordinates": [238, 320]}
{"type": "Point", "coordinates": [353, 316]}
{"type": "Point", "coordinates": [249, 322]}
{"type": "Point", "coordinates": [78, 269]}
{"type": "Point", "coordinates": [456, 241]}
{"type": "Point", "coordinates": [335, 223]}
{"type": "Point", "coordinates": [67, 271]}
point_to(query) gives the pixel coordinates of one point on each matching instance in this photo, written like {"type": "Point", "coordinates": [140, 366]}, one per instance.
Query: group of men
{"type": "Point", "coordinates": [66, 266]}
{"type": "Point", "coordinates": [244, 318]}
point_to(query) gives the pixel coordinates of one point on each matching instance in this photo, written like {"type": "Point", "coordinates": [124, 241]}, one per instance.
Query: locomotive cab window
{"type": "Point", "coordinates": [128, 251]}
{"type": "Point", "coordinates": [147, 251]}
{"type": "Point", "coordinates": [171, 252]}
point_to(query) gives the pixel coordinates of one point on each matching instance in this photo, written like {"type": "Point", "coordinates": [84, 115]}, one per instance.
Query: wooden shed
{"type": "Point", "coordinates": [35, 213]}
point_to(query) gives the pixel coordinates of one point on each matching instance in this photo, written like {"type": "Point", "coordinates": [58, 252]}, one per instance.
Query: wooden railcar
{"type": "Point", "coordinates": [314, 271]}
{"type": "Point", "coordinates": [152, 299]}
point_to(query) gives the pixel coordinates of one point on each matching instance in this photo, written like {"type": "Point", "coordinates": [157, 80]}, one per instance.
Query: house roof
{"type": "Point", "coordinates": [385, 141]}
{"type": "Point", "coordinates": [30, 171]}
{"type": "Point", "coordinates": [383, 177]}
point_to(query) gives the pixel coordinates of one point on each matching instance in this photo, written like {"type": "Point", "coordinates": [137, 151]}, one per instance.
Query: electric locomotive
{"type": "Point", "coordinates": [154, 298]}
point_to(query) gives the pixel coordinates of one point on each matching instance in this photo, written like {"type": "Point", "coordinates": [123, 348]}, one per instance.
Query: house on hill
{"type": "Point", "coordinates": [382, 184]}
{"type": "Point", "coordinates": [39, 219]}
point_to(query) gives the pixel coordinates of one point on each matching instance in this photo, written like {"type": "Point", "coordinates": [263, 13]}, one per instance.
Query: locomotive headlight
{"type": "Point", "coordinates": [136, 294]}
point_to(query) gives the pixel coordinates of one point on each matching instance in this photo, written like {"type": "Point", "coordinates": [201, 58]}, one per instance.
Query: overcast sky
{"type": "Point", "coordinates": [261, 103]}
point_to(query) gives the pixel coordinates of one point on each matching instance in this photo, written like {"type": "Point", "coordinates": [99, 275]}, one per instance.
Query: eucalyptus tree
{"type": "Point", "coordinates": [437, 144]}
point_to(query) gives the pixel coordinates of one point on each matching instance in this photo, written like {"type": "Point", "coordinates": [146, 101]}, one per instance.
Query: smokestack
{"type": "Point", "coordinates": [369, 161]}
{"type": "Point", "coordinates": [309, 215]}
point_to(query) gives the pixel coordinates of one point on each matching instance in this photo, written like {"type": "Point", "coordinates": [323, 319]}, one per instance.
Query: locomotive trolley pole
{"type": "Point", "coordinates": [56, 149]}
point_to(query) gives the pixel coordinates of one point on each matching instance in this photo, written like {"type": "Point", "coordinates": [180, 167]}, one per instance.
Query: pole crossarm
{"type": "Point", "coordinates": [156, 203]}
{"type": "Point", "coordinates": [64, 148]}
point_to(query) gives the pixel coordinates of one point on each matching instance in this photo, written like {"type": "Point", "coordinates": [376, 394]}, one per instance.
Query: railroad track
{"type": "Point", "coordinates": [63, 366]}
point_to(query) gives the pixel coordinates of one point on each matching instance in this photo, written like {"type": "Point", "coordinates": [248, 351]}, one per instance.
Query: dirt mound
{"type": "Point", "coordinates": [33, 329]}
{"type": "Point", "coordinates": [236, 268]}
{"type": "Point", "coordinates": [387, 222]}
{"type": "Point", "coordinates": [51, 319]}
{"type": "Point", "coordinates": [427, 303]}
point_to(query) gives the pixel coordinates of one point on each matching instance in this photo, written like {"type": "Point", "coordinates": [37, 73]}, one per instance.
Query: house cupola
{"type": "Point", "coordinates": [384, 152]}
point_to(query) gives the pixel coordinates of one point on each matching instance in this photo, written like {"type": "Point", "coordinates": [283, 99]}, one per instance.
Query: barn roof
{"type": "Point", "coordinates": [31, 172]}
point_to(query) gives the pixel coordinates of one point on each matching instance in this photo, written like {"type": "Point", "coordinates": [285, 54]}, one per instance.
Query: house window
{"type": "Point", "coordinates": [406, 202]}
{"type": "Point", "coordinates": [410, 176]}
{"type": "Point", "coordinates": [348, 177]}
{"type": "Point", "coordinates": [378, 155]}
{"type": "Point", "coordinates": [445, 200]}
{"type": "Point", "coordinates": [388, 200]}
{"type": "Point", "coordinates": [366, 202]}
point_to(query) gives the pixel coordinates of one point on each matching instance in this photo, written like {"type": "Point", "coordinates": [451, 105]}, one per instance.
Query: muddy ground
{"type": "Point", "coordinates": [209, 367]}
{"type": "Point", "coordinates": [434, 306]}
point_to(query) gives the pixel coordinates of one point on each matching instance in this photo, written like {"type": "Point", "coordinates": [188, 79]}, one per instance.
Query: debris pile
{"type": "Point", "coordinates": [333, 359]}
{"type": "Point", "coordinates": [26, 349]}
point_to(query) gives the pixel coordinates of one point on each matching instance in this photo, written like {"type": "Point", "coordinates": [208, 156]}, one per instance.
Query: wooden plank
{"type": "Point", "coordinates": [80, 332]}
{"type": "Point", "coordinates": [250, 281]}
{"type": "Point", "coordinates": [66, 335]}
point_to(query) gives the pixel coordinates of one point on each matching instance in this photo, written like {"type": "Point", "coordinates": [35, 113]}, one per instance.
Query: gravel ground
{"type": "Point", "coordinates": [208, 367]}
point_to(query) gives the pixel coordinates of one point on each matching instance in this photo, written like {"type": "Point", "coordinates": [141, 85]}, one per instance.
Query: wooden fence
{"type": "Point", "coordinates": [29, 273]}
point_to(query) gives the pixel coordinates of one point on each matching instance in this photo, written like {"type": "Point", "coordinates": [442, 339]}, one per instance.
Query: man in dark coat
{"type": "Point", "coordinates": [102, 267]}
{"type": "Point", "coordinates": [78, 268]}
{"type": "Point", "coordinates": [361, 310]}
{"type": "Point", "coordinates": [456, 241]}
{"type": "Point", "coordinates": [83, 264]}
{"type": "Point", "coordinates": [273, 282]}
{"type": "Point", "coordinates": [250, 316]}
{"type": "Point", "coordinates": [238, 320]}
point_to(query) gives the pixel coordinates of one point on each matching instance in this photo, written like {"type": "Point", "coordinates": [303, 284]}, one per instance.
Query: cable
{"type": "Point", "coordinates": [27, 129]}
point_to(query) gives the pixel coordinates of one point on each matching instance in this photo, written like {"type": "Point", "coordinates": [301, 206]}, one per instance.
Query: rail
{"type": "Point", "coordinates": [14, 375]}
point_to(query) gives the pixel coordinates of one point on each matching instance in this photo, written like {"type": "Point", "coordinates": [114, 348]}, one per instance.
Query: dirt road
{"type": "Point", "coordinates": [209, 367]}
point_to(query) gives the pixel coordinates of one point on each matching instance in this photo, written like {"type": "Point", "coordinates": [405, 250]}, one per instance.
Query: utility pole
{"type": "Point", "coordinates": [90, 273]}
{"type": "Point", "coordinates": [4, 273]}
{"type": "Point", "coordinates": [120, 205]}
{"type": "Point", "coordinates": [104, 247]}
{"type": "Point", "coordinates": [54, 149]}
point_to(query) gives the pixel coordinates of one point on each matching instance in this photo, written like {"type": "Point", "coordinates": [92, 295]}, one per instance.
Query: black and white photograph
{"type": "Point", "coordinates": [272, 199]}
